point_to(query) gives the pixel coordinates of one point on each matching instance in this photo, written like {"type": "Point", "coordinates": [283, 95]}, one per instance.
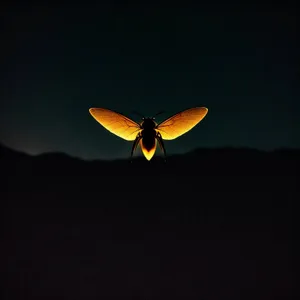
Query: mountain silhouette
{"type": "Point", "coordinates": [209, 224]}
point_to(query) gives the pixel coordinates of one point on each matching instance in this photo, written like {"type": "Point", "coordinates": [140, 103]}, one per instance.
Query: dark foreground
{"type": "Point", "coordinates": [212, 224]}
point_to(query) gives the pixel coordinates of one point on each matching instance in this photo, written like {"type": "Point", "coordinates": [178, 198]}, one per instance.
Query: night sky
{"type": "Point", "coordinates": [58, 61]}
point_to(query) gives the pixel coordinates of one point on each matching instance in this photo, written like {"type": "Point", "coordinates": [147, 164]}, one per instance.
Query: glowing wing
{"type": "Point", "coordinates": [116, 123]}
{"type": "Point", "coordinates": [181, 123]}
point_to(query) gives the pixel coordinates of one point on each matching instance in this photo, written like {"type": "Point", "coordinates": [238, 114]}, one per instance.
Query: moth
{"type": "Point", "coordinates": [148, 133]}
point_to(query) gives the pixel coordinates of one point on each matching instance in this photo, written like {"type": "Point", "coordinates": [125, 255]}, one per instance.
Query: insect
{"type": "Point", "coordinates": [148, 132]}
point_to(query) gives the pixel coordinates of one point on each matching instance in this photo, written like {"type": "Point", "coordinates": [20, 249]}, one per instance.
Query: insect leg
{"type": "Point", "coordinates": [135, 144]}
{"type": "Point", "coordinates": [161, 144]}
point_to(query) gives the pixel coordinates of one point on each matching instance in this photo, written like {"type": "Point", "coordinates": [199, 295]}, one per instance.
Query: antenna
{"type": "Point", "coordinates": [161, 112]}
{"type": "Point", "coordinates": [138, 114]}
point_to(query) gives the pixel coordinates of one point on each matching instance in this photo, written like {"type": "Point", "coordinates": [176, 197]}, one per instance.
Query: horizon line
{"type": "Point", "coordinates": [248, 148]}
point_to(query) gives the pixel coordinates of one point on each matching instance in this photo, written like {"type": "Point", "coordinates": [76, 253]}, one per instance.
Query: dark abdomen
{"type": "Point", "coordinates": [148, 137]}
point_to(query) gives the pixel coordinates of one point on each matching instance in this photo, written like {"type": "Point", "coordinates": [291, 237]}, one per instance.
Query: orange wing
{"type": "Point", "coordinates": [181, 123]}
{"type": "Point", "coordinates": [116, 123]}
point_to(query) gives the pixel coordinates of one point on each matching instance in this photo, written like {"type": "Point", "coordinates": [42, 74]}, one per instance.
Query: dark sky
{"type": "Point", "coordinates": [58, 61]}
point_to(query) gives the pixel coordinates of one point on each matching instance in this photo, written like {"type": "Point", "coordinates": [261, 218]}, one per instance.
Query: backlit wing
{"type": "Point", "coordinates": [181, 123]}
{"type": "Point", "coordinates": [116, 123]}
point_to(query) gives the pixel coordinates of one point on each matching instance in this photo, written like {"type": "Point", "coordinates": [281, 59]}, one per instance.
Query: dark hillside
{"type": "Point", "coordinates": [211, 224]}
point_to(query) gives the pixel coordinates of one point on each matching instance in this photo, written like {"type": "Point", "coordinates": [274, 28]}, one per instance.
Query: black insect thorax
{"type": "Point", "coordinates": [148, 124]}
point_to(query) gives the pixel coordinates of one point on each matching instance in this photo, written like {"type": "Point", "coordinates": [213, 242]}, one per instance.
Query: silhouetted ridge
{"type": "Point", "coordinates": [212, 218]}
{"type": "Point", "coordinates": [220, 161]}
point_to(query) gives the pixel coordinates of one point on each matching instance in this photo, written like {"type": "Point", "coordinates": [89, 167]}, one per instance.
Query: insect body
{"type": "Point", "coordinates": [148, 132]}
{"type": "Point", "coordinates": [148, 138]}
